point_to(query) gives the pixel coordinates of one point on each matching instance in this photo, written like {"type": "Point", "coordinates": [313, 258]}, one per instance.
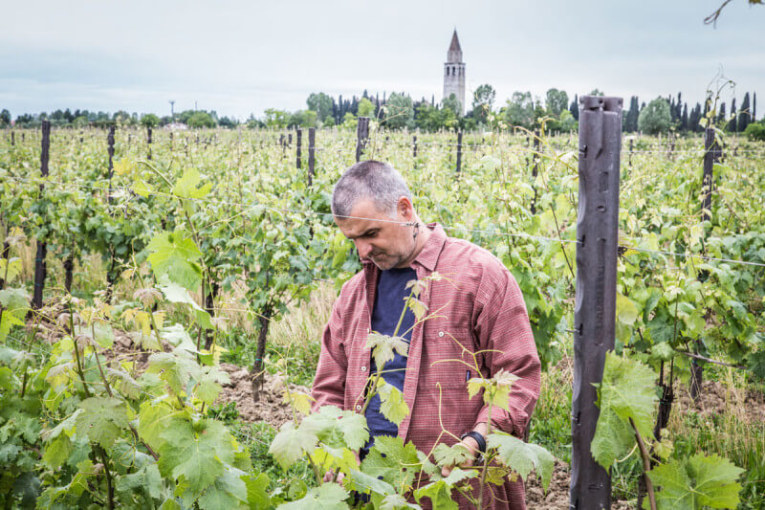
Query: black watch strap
{"type": "Point", "coordinates": [478, 439]}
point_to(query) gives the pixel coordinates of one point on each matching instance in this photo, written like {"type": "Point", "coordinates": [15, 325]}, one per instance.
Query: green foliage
{"type": "Point", "coordinates": [556, 101]}
{"type": "Point", "coordinates": [522, 457]}
{"type": "Point", "coordinates": [626, 396]}
{"type": "Point", "coordinates": [399, 111]}
{"type": "Point", "coordinates": [201, 120]}
{"type": "Point", "coordinates": [697, 482]}
{"type": "Point", "coordinates": [655, 118]}
{"type": "Point", "coordinates": [366, 108]}
{"type": "Point", "coordinates": [519, 110]}
{"type": "Point", "coordinates": [149, 120]}
{"type": "Point", "coordinates": [320, 103]}
{"type": "Point", "coordinates": [755, 131]}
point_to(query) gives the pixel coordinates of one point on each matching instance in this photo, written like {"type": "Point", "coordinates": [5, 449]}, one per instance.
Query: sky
{"type": "Point", "coordinates": [239, 57]}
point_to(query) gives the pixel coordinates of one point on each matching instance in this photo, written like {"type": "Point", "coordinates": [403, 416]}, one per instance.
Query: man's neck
{"type": "Point", "coordinates": [423, 234]}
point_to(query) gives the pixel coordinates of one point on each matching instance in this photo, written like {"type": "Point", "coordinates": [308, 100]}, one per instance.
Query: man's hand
{"type": "Point", "coordinates": [330, 476]}
{"type": "Point", "coordinates": [472, 446]}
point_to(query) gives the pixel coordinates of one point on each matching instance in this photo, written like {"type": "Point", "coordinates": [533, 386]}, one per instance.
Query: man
{"type": "Point", "coordinates": [476, 306]}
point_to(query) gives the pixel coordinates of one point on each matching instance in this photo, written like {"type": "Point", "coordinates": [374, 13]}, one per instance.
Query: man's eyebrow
{"type": "Point", "coordinates": [365, 233]}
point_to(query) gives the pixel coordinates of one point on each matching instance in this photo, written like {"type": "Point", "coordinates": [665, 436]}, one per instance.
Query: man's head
{"type": "Point", "coordinates": [372, 206]}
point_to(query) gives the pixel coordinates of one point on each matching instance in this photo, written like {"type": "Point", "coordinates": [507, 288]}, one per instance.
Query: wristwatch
{"type": "Point", "coordinates": [478, 439]}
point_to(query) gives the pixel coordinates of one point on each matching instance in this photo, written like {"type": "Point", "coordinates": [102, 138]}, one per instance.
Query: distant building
{"type": "Point", "coordinates": [454, 73]}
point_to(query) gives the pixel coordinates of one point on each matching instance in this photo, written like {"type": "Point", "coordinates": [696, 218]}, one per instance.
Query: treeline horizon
{"type": "Point", "coordinates": [556, 112]}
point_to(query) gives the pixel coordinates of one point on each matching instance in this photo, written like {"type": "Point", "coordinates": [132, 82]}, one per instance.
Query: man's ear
{"type": "Point", "coordinates": [405, 208]}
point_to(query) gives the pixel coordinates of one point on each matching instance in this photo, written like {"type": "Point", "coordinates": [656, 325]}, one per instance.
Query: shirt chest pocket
{"type": "Point", "coordinates": [447, 358]}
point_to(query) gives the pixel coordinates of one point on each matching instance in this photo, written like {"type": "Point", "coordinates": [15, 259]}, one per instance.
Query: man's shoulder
{"type": "Point", "coordinates": [464, 253]}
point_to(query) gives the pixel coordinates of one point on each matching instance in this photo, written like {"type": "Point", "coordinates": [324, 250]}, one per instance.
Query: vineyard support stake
{"type": "Point", "coordinates": [311, 155]}
{"type": "Point", "coordinates": [600, 124]}
{"type": "Point", "coordinates": [42, 247]}
{"type": "Point", "coordinates": [362, 134]}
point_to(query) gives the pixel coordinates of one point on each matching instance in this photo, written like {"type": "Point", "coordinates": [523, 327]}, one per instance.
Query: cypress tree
{"type": "Point", "coordinates": [684, 118]}
{"type": "Point", "coordinates": [746, 114]}
{"type": "Point", "coordinates": [721, 115]}
{"type": "Point", "coordinates": [733, 124]}
{"type": "Point", "coordinates": [574, 107]}
{"type": "Point", "coordinates": [754, 107]}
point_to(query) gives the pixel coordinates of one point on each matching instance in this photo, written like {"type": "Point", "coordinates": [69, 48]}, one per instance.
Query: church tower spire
{"type": "Point", "coordinates": [454, 73]}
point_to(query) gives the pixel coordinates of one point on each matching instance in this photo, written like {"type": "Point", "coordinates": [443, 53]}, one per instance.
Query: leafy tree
{"type": "Point", "coordinates": [596, 92]}
{"type": "Point", "coordinates": [399, 112]}
{"type": "Point", "coordinates": [567, 123]}
{"type": "Point", "coordinates": [201, 120]}
{"type": "Point", "coordinates": [149, 120]}
{"type": "Point", "coordinates": [520, 110]}
{"type": "Point", "coordinates": [228, 122]}
{"type": "Point", "coordinates": [733, 124]}
{"type": "Point", "coordinates": [320, 103]}
{"type": "Point", "coordinates": [304, 119]}
{"type": "Point", "coordinates": [5, 118]}
{"type": "Point", "coordinates": [756, 131]}
{"type": "Point", "coordinates": [350, 121]}
{"type": "Point", "coordinates": [278, 119]}
{"type": "Point", "coordinates": [556, 101]}
{"type": "Point", "coordinates": [655, 118]}
{"type": "Point", "coordinates": [483, 101]}
{"type": "Point", "coordinates": [366, 108]}
{"type": "Point", "coordinates": [453, 104]}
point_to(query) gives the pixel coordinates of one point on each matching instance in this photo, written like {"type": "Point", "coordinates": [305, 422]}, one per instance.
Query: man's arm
{"type": "Point", "coordinates": [329, 383]}
{"type": "Point", "coordinates": [503, 330]}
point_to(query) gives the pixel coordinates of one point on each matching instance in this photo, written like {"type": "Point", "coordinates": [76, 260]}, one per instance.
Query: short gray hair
{"type": "Point", "coordinates": [371, 180]}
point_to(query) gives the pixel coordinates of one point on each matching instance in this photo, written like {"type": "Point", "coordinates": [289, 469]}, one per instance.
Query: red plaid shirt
{"type": "Point", "coordinates": [476, 305]}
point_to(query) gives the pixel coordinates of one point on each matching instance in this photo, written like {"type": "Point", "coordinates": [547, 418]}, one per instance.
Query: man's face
{"type": "Point", "coordinates": [386, 244]}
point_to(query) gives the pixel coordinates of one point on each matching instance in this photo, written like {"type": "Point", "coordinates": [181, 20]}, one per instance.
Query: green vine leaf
{"type": "Point", "coordinates": [382, 347]}
{"type": "Point", "coordinates": [195, 453]}
{"type": "Point", "coordinates": [392, 404]}
{"type": "Point", "coordinates": [329, 496]}
{"type": "Point", "coordinates": [102, 419]}
{"type": "Point", "coordinates": [627, 392]}
{"type": "Point", "coordinates": [391, 459]}
{"type": "Point", "coordinates": [290, 444]}
{"type": "Point", "coordinates": [173, 255]}
{"type": "Point", "coordinates": [522, 457]}
{"type": "Point", "coordinates": [697, 482]}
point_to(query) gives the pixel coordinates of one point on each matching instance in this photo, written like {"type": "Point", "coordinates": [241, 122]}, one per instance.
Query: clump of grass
{"type": "Point", "coordinates": [551, 421]}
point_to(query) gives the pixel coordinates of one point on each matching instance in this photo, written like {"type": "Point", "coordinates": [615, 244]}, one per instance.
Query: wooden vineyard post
{"type": "Point", "coordinates": [311, 155]}
{"type": "Point", "coordinates": [535, 172]}
{"type": "Point", "coordinates": [600, 122]}
{"type": "Point", "coordinates": [42, 247]}
{"type": "Point", "coordinates": [362, 135]}
{"type": "Point", "coordinates": [13, 138]}
{"type": "Point", "coordinates": [148, 141]}
{"type": "Point", "coordinates": [414, 147]}
{"type": "Point", "coordinates": [110, 143]}
{"type": "Point", "coordinates": [459, 151]}
{"type": "Point", "coordinates": [712, 154]}
{"type": "Point", "coordinates": [631, 142]}
{"type": "Point", "coordinates": [298, 152]}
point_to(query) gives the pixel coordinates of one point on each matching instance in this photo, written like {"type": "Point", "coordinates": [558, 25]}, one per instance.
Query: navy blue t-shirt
{"type": "Point", "coordinates": [389, 303]}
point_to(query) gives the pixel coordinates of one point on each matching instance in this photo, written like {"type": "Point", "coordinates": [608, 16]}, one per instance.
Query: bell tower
{"type": "Point", "coordinates": [454, 73]}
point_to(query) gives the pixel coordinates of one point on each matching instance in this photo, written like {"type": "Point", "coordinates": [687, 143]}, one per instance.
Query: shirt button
{"type": "Point", "coordinates": [358, 408]}
{"type": "Point", "coordinates": [367, 330]}
{"type": "Point", "coordinates": [363, 369]}
{"type": "Point", "coordinates": [440, 333]}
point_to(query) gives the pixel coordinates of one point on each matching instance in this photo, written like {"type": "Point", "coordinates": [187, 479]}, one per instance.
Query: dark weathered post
{"type": "Point", "coordinates": [459, 151]}
{"type": "Point", "coordinates": [311, 155]}
{"type": "Point", "coordinates": [414, 147]}
{"type": "Point", "coordinates": [600, 122]}
{"type": "Point", "coordinates": [362, 135]}
{"type": "Point", "coordinates": [13, 138]}
{"type": "Point", "coordinates": [110, 148]}
{"type": "Point", "coordinates": [631, 141]}
{"type": "Point", "coordinates": [42, 247]}
{"type": "Point", "coordinates": [298, 152]}
{"type": "Point", "coordinates": [535, 172]}
{"type": "Point", "coordinates": [148, 141]}
{"type": "Point", "coordinates": [712, 154]}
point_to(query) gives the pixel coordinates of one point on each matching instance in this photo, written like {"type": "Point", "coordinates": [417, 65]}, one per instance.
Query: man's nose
{"type": "Point", "coordinates": [364, 248]}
